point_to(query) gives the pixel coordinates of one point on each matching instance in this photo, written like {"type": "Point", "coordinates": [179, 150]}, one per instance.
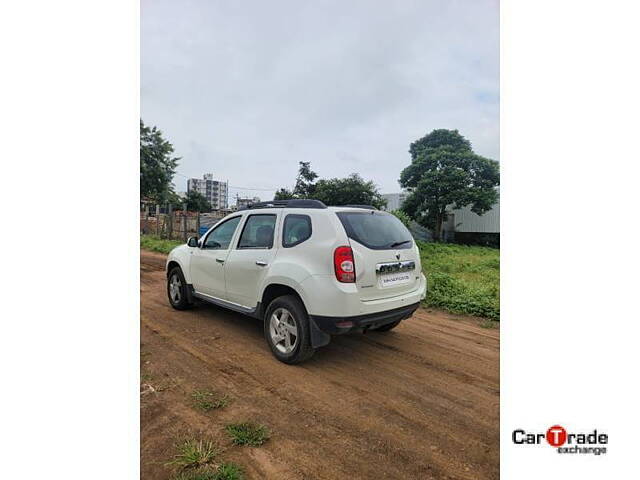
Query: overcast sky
{"type": "Point", "coordinates": [247, 89]}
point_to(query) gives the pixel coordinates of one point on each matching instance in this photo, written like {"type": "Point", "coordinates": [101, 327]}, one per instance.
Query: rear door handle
{"type": "Point", "coordinates": [261, 263]}
{"type": "Point", "coordinates": [220, 260]}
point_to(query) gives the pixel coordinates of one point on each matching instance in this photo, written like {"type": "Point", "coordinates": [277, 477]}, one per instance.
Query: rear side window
{"type": "Point", "coordinates": [297, 229]}
{"type": "Point", "coordinates": [258, 232]}
{"type": "Point", "coordinates": [376, 230]}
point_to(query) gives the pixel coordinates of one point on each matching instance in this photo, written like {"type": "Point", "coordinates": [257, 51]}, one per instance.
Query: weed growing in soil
{"type": "Point", "coordinates": [225, 471]}
{"type": "Point", "coordinates": [200, 474]}
{"type": "Point", "coordinates": [195, 453]}
{"type": "Point", "coordinates": [206, 400]}
{"type": "Point", "coordinates": [247, 433]}
{"type": "Point", "coordinates": [229, 471]}
{"type": "Point", "coordinates": [489, 324]}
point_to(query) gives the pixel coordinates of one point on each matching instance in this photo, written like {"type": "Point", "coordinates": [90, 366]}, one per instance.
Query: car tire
{"type": "Point", "coordinates": [387, 327]}
{"type": "Point", "coordinates": [177, 290]}
{"type": "Point", "coordinates": [286, 329]}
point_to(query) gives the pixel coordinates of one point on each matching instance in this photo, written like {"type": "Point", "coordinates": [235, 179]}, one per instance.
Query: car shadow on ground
{"type": "Point", "coordinates": [354, 346]}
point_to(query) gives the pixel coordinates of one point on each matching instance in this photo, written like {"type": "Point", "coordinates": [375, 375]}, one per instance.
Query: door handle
{"type": "Point", "coordinates": [220, 260]}
{"type": "Point", "coordinates": [261, 263]}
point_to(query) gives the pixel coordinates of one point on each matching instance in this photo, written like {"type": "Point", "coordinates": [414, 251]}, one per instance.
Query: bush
{"type": "Point", "coordinates": [403, 217]}
{"type": "Point", "coordinates": [462, 279]}
{"type": "Point", "coordinates": [157, 244]}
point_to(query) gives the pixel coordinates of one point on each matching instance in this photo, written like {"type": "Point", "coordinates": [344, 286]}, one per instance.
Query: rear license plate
{"type": "Point", "coordinates": [394, 279]}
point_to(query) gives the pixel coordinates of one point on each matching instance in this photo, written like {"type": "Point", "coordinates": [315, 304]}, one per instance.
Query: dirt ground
{"type": "Point", "coordinates": [419, 402]}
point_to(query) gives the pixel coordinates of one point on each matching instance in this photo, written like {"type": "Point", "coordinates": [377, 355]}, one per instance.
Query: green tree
{"type": "Point", "coordinates": [333, 191]}
{"type": "Point", "coordinates": [196, 202]}
{"type": "Point", "coordinates": [305, 186]}
{"type": "Point", "coordinates": [175, 200]}
{"type": "Point", "coordinates": [157, 165]}
{"type": "Point", "coordinates": [438, 138]}
{"type": "Point", "coordinates": [284, 194]}
{"type": "Point", "coordinates": [403, 217]}
{"type": "Point", "coordinates": [351, 190]}
{"type": "Point", "coordinates": [444, 171]}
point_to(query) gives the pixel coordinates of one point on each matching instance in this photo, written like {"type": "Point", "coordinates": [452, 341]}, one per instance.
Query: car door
{"type": "Point", "coordinates": [249, 261]}
{"type": "Point", "coordinates": [208, 261]}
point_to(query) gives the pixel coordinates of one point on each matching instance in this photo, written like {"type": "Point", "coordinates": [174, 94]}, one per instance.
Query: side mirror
{"type": "Point", "coordinates": [192, 242]}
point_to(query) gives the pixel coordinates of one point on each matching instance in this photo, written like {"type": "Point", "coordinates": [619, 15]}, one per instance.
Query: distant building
{"type": "Point", "coordinates": [461, 225]}
{"type": "Point", "coordinates": [245, 202]}
{"type": "Point", "coordinates": [464, 226]}
{"type": "Point", "coordinates": [394, 200]}
{"type": "Point", "coordinates": [215, 191]}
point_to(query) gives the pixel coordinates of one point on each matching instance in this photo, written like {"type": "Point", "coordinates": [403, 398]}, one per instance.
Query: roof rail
{"type": "Point", "coordinates": [294, 203]}
{"type": "Point", "coordinates": [368, 207]}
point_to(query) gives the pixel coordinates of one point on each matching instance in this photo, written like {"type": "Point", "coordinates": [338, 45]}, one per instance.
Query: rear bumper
{"type": "Point", "coordinates": [338, 325]}
{"type": "Point", "coordinates": [323, 295]}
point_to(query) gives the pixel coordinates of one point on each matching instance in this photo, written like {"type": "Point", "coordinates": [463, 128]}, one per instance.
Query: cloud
{"type": "Point", "coordinates": [247, 89]}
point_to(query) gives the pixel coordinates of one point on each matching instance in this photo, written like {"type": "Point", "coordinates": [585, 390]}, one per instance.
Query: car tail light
{"type": "Point", "coordinates": [344, 265]}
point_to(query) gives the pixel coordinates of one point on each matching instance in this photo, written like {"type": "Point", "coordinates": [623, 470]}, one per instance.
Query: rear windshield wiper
{"type": "Point", "coordinates": [397, 244]}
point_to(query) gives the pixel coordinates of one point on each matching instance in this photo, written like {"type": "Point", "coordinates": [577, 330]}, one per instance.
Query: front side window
{"type": "Point", "coordinates": [377, 230]}
{"type": "Point", "coordinates": [220, 237]}
{"type": "Point", "coordinates": [297, 229]}
{"type": "Point", "coordinates": [258, 232]}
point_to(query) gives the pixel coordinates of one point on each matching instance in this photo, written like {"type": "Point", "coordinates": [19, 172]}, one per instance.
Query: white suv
{"type": "Point", "coordinates": [307, 270]}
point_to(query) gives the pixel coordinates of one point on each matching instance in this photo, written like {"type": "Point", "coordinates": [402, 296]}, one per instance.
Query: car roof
{"type": "Point", "coordinates": [349, 208]}
{"type": "Point", "coordinates": [257, 211]}
{"type": "Point", "coordinates": [304, 204]}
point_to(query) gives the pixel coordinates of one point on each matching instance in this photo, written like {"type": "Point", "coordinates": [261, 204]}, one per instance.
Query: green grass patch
{"type": "Point", "coordinates": [224, 471]}
{"type": "Point", "coordinates": [229, 471]}
{"type": "Point", "coordinates": [206, 401]}
{"type": "Point", "coordinates": [157, 244]}
{"type": "Point", "coordinates": [489, 324]}
{"type": "Point", "coordinates": [462, 279]}
{"type": "Point", "coordinates": [198, 474]}
{"type": "Point", "coordinates": [195, 453]}
{"type": "Point", "coordinates": [247, 433]}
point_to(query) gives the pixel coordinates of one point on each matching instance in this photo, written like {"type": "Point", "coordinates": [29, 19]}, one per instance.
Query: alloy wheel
{"type": "Point", "coordinates": [175, 286]}
{"type": "Point", "coordinates": [283, 330]}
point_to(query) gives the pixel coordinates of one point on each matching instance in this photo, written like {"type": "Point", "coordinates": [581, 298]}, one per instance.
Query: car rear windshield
{"type": "Point", "coordinates": [376, 230]}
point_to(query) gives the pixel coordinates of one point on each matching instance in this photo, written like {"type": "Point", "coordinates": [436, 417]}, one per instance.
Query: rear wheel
{"type": "Point", "coordinates": [286, 329]}
{"type": "Point", "coordinates": [387, 327]}
{"type": "Point", "coordinates": [177, 290]}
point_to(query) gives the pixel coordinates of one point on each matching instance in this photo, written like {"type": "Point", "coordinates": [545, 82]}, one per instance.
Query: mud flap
{"type": "Point", "coordinates": [318, 337]}
{"type": "Point", "coordinates": [190, 297]}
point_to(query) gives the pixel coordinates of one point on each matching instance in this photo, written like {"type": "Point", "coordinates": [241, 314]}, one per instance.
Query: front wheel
{"type": "Point", "coordinates": [286, 329]}
{"type": "Point", "coordinates": [177, 290]}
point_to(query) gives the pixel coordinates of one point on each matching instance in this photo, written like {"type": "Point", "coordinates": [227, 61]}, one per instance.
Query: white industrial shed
{"type": "Point", "coordinates": [461, 224]}
{"type": "Point", "coordinates": [464, 220]}
{"type": "Point", "coordinates": [464, 226]}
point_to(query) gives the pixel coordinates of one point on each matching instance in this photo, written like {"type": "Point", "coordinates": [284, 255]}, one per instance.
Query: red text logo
{"type": "Point", "coordinates": [556, 436]}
